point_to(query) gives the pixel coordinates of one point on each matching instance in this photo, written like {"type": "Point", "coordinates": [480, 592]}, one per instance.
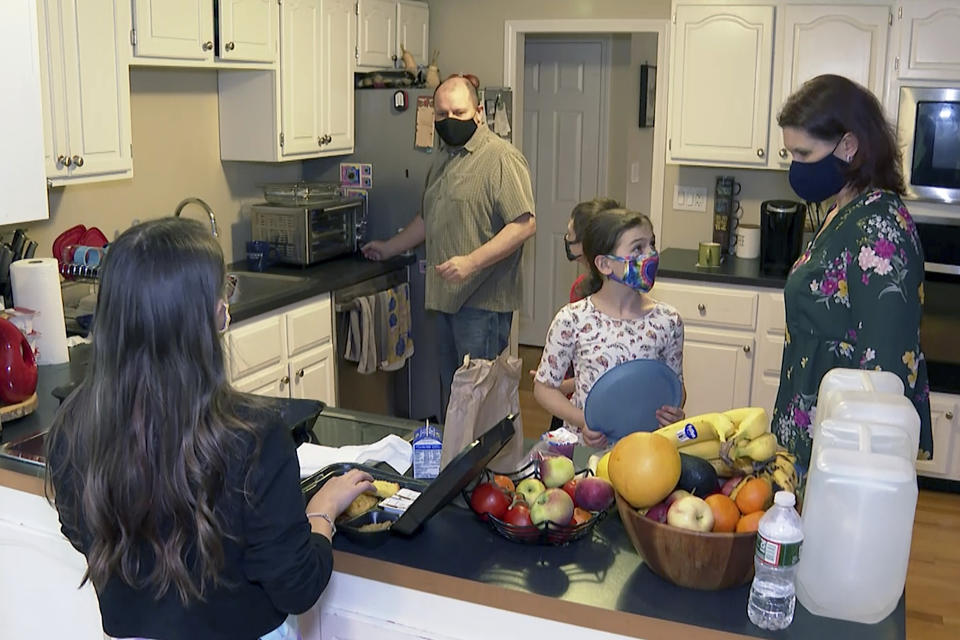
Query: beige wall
{"type": "Point", "coordinates": [469, 35]}
{"type": "Point", "coordinates": [621, 98]}
{"type": "Point", "coordinates": [176, 154]}
{"type": "Point", "coordinates": [643, 50]}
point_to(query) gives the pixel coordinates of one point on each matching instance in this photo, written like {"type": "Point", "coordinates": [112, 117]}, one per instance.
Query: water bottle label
{"type": "Point", "coordinates": [778, 554]}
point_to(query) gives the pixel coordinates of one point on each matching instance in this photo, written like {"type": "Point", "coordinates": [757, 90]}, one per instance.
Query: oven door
{"type": "Point", "coordinates": [940, 325]}
{"type": "Point", "coordinates": [332, 230]}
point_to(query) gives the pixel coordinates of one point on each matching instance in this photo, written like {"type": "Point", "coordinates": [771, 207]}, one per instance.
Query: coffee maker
{"type": "Point", "coordinates": [781, 235]}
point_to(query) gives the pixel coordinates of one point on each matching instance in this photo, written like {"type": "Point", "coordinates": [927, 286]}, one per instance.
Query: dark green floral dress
{"type": "Point", "coordinates": [854, 300]}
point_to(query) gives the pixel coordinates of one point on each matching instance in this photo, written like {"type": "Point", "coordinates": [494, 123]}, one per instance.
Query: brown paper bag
{"type": "Point", "coordinates": [483, 393]}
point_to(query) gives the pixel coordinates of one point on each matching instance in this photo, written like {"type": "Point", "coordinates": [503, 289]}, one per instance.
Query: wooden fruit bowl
{"type": "Point", "coordinates": [707, 561]}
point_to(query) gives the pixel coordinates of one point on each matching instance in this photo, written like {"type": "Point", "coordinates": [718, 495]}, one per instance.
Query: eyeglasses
{"type": "Point", "coordinates": [229, 286]}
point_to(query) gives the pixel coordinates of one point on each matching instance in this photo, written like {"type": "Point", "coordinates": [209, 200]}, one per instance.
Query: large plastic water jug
{"type": "Point", "coordinates": [839, 379]}
{"type": "Point", "coordinates": [847, 434]}
{"type": "Point", "coordinates": [857, 521]}
{"type": "Point", "coordinates": [870, 407]}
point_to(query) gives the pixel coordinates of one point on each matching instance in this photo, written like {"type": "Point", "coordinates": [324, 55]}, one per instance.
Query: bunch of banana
{"type": "Point", "coordinates": [780, 471]}
{"type": "Point", "coordinates": [698, 429]}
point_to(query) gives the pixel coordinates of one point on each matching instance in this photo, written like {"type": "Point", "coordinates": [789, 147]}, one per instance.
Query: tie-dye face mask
{"type": "Point", "coordinates": [641, 271]}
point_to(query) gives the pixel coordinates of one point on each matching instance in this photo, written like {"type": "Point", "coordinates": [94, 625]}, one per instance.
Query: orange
{"type": "Point", "coordinates": [725, 512]}
{"type": "Point", "coordinates": [750, 522]}
{"type": "Point", "coordinates": [644, 468]}
{"type": "Point", "coordinates": [505, 483]}
{"type": "Point", "coordinates": [755, 495]}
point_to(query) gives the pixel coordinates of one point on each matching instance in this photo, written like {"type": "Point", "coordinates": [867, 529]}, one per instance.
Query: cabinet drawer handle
{"type": "Point", "coordinates": [229, 46]}
{"type": "Point", "coordinates": [285, 380]}
{"type": "Point", "coordinates": [746, 348]}
{"type": "Point", "coordinates": [948, 415]}
{"type": "Point", "coordinates": [78, 160]}
{"type": "Point", "coordinates": [64, 161]}
{"type": "Point", "coordinates": [208, 45]}
{"type": "Point", "coordinates": [319, 141]}
{"type": "Point", "coordinates": [760, 153]}
{"type": "Point", "coordinates": [783, 153]}
{"type": "Point", "coordinates": [300, 373]}
{"type": "Point", "coordinates": [702, 308]}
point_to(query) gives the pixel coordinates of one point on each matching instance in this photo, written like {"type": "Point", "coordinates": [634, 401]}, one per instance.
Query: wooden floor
{"type": "Point", "coordinates": [933, 576]}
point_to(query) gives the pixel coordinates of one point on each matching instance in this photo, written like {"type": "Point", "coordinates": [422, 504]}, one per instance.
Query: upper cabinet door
{"type": "Point", "coordinates": [929, 40]}
{"type": "Point", "coordinates": [97, 87]}
{"type": "Point", "coordinates": [300, 73]}
{"type": "Point", "coordinates": [720, 85]}
{"type": "Point", "coordinates": [413, 25]}
{"type": "Point", "coordinates": [377, 33]}
{"type": "Point", "coordinates": [53, 90]}
{"type": "Point", "coordinates": [845, 40]}
{"type": "Point", "coordinates": [178, 29]}
{"type": "Point", "coordinates": [248, 30]}
{"type": "Point", "coordinates": [336, 89]}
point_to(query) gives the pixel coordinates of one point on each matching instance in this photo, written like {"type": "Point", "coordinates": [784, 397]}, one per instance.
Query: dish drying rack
{"type": "Point", "coordinates": [79, 273]}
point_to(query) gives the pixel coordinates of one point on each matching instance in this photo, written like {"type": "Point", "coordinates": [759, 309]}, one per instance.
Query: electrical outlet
{"type": "Point", "coordinates": [689, 198]}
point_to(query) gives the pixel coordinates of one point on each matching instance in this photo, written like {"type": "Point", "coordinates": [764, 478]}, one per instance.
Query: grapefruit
{"type": "Point", "coordinates": [602, 471]}
{"type": "Point", "coordinates": [644, 468]}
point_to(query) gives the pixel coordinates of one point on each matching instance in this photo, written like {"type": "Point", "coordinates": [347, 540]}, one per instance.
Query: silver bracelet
{"type": "Point", "coordinates": [320, 514]}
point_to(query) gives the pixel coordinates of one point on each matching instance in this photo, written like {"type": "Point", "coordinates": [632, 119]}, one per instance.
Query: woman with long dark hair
{"type": "Point", "coordinates": [182, 493]}
{"type": "Point", "coordinates": [854, 297]}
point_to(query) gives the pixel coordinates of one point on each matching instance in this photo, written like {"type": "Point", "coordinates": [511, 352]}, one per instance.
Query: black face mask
{"type": "Point", "coordinates": [455, 133]}
{"type": "Point", "coordinates": [571, 256]}
{"type": "Point", "coordinates": [817, 181]}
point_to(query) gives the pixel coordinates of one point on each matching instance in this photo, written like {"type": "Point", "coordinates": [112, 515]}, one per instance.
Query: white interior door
{"type": "Point", "coordinates": [561, 140]}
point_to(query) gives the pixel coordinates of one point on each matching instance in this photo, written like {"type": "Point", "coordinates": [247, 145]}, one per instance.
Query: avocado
{"type": "Point", "coordinates": [697, 476]}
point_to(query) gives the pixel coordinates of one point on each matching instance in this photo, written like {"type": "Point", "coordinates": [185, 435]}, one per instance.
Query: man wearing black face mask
{"type": "Point", "coordinates": [476, 212]}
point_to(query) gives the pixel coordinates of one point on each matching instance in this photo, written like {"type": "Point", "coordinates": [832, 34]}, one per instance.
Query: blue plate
{"type": "Point", "coordinates": [626, 398]}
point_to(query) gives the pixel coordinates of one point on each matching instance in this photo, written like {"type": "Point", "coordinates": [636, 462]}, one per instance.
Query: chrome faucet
{"type": "Point", "coordinates": [206, 207]}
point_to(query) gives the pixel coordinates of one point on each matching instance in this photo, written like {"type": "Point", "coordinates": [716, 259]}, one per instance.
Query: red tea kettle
{"type": "Point", "coordinates": [18, 367]}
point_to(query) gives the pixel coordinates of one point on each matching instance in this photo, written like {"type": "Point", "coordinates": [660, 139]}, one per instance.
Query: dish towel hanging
{"type": "Point", "coordinates": [361, 335]}
{"type": "Point", "coordinates": [394, 334]}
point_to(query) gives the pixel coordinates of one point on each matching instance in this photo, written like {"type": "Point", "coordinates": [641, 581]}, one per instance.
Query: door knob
{"type": "Point", "coordinates": [783, 153]}
{"type": "Point", "coordinates": [702, 308]}
{"type": "Point", "coordinates": [64, 161]}
{"type": "Point", "coordinates": [760, 153]}
{"type": "Point", "coordinates": [948, 415]}
{"type": "Point", "coordinates": [284, 381]}
{"type": "Point", "coordinates": [300, 373]}
{"type": "Point", "coordinates": [208, 45]}
{"type": "Point", "coordinates": [78, 160]}
{"type": "Point", "coordinates": [746, 348]}
{"type": "Point", "coordinates": [229, 46]}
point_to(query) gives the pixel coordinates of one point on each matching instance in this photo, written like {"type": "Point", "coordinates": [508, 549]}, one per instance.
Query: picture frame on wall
{"type": "Point", "coordinates": [648, 94]}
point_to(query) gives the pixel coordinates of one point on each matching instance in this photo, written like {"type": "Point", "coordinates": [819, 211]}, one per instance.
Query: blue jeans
{"type": "Point", "coordinates": [474, 332]}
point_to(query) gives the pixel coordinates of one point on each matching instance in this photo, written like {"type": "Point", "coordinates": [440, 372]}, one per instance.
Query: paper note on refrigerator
{"type": "Point", "coordinates": [424, 130]}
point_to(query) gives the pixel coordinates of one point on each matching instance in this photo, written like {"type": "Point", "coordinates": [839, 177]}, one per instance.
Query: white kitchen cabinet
{"type": "Point", "coordinates": [305, 109]}
{"type": "Point", "coordinates": [37, 559]}
{"type": "Point", "coordinates": [945, 419]}
{"type": "Point", "coordinates": [287, 353]}
{"type": "Point", "coordinates": [204, 31]}
{"type": "Point", "coordinates": [720, 84]}
{"type": "Point", "coordinates": [85, 90]}
{"type": "Point", "coordinates": [929, 48]}
{"type": "Point", "coordinates": [383, 26]}
{"type": "Point", "coordinates": [771, 327]}
{"type": "Point", "coordinates": [846, 40]}
{"type": "Point", "coordinates": [413, 28]}
{"type": "Point", "coordinates": [22, 171]}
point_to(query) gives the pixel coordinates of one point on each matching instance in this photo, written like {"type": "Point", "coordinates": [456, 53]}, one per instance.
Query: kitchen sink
{"type": "Point", "coordinates": [253, 286]}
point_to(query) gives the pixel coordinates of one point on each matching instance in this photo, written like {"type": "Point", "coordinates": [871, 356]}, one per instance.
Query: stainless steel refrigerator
{"type": "Point", "coordinates": [384, 138]}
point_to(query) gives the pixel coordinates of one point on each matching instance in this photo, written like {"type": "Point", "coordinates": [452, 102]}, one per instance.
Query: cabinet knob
{"type": "Point", "coordinates": [319, 141]}
{"type": "Point", "coordinates": [64, 161]}
{"type": "Point", "coordinates": [948, 415]}
{"type": "Point", "coordinates": [208, 45]}
{"type": "Point", "coordinates": [760, 153]}
{"type": "Point", "coordinates": [300, 373]}
{"type": "Point", "coordinates": [229, 46]}
{"type": "Point", "coordinates": [746, 348]}
{"type": "Point", "coordinates": [78, 160]}
{"type": "Point", "coordinates": [394, 57]}
{"type": "Point", "coordinates": [783, 153]}
{"type": "Point", "coordinates": [702, 308]}
{"type": "Point", "coordinates": [284, 381]}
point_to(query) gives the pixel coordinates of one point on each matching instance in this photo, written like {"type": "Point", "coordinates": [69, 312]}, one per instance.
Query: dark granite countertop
{"type": "Point", "coordinates": [320, 278]}
{"type": "Point", "coordinates": [682, 265]}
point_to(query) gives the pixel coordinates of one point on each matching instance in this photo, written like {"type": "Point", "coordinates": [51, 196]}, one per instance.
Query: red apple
{"type": "Point", "coordinates": [594, 494]}
{"type": "Point", "coordinates": [690, 512]}
{"type": "Point", "coordinates": [18, 367]}
{"type": "Point", "coordinates": [518, 514]}
{"type": "Point", "coordinates": [729, 485]}
{"type": "Point", "coordinates": [553, 505]}
{"type": "Point", "coordinates": [658, 512]}
{"type": "Point", "coordinates": [556, 471]}
{"type": "Point", "coordinates": [676, 495]}
{"type": "Point", "coordinates": [571, 488]}
{"type": "Point", "coordinates": [489, 498]}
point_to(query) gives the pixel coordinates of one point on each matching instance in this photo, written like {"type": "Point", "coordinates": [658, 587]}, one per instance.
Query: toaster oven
{"type": "Point", "coordinates": [306, 234]}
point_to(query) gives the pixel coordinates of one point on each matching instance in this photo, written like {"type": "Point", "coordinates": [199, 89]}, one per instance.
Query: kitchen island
{"type": "Point", "coordinates": [456, 566]}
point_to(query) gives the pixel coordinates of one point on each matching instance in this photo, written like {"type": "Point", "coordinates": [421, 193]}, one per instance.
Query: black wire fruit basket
{"type": "Point", "coordinates": [549, 534]}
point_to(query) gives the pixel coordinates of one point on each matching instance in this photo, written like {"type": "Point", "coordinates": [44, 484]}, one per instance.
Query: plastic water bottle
{"type": "Point", "coordinates": [779, 536]}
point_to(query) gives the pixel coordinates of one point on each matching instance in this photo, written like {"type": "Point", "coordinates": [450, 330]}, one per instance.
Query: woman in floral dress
{"type": "Point", "coordinates": [854, 298]}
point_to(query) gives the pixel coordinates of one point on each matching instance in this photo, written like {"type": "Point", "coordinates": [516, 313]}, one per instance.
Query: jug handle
{"type": "Point", "coordinates": [865, 437]}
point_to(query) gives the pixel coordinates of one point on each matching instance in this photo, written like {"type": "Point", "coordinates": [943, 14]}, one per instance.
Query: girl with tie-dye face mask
{"type": "Point", "coordinates": [619, 322]}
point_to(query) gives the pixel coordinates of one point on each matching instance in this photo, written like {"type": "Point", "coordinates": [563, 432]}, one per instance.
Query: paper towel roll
{"type": "Point", "coordinates": [36, 286]}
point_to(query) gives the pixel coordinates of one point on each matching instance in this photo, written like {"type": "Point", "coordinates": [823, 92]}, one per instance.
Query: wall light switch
{"type": "Point", "coordinates": [689, 198]}
{"type": "Point", "coordinates": [634, 172]}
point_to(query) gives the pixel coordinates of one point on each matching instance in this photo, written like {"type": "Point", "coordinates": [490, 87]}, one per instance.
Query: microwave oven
{"type": "Point", "coordinates": [928, 132]}
{"type": "Point", "coordinates": [306, 234]}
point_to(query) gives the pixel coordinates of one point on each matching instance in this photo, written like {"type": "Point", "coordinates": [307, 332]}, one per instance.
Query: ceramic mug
{"type": "Point", "coordinates": [748, 241]}
{"type": "Point", "coordinates": [709, 254]}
